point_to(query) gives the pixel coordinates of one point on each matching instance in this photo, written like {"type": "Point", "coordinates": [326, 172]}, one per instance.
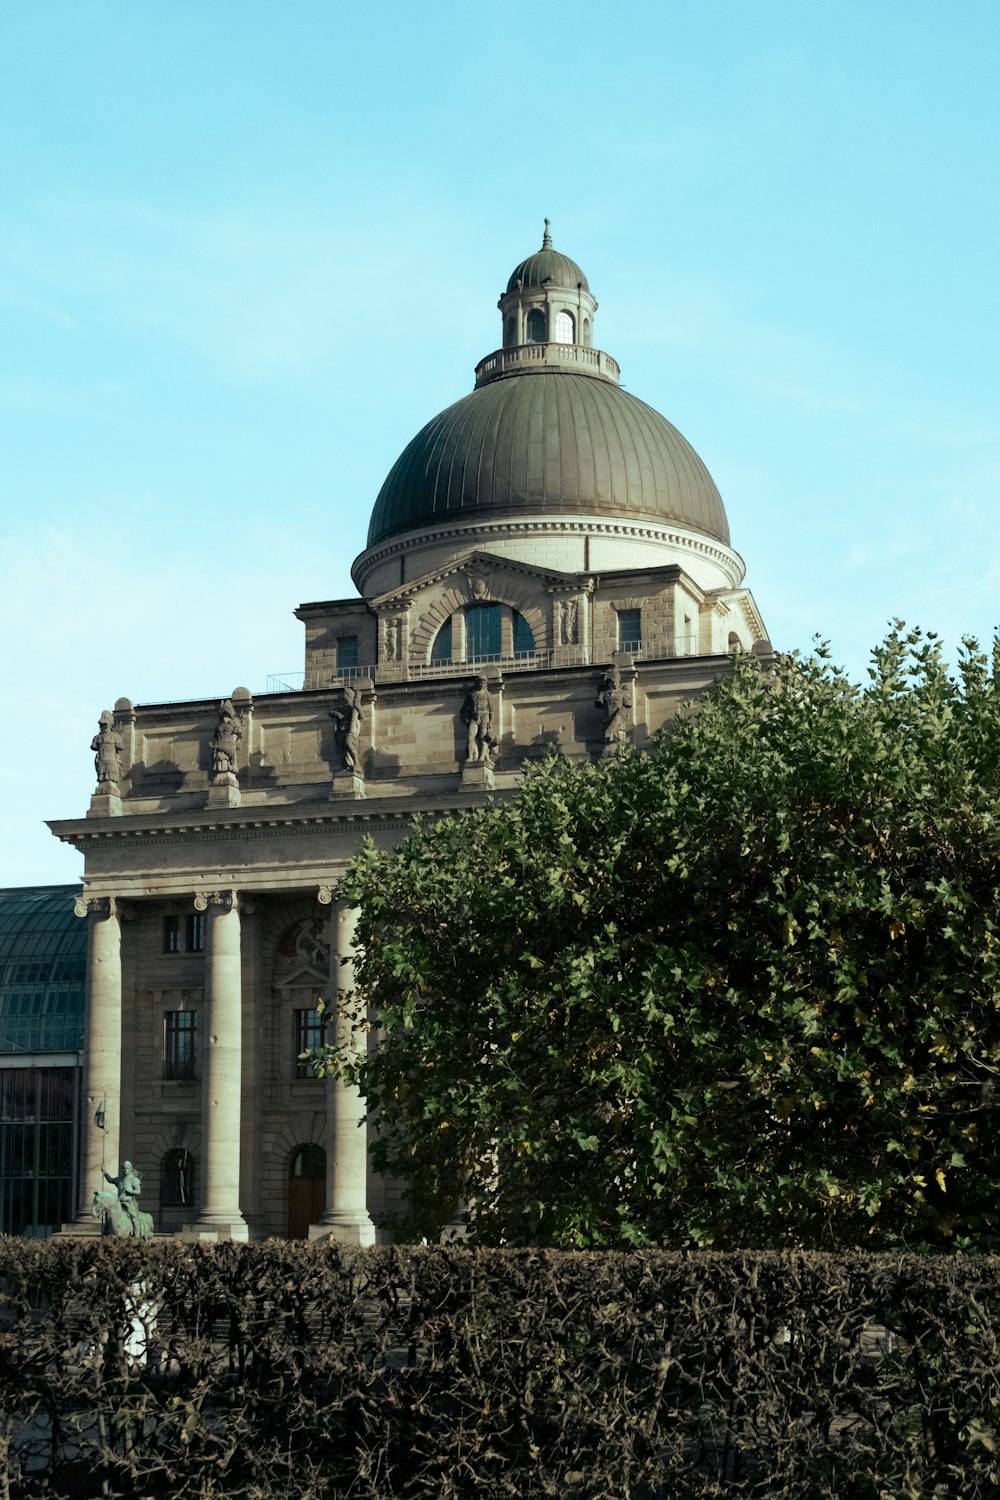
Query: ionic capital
{"type": "Point", "coordinates": [98, 907]}
{"type": "Point", "coordinates": [226, 900]}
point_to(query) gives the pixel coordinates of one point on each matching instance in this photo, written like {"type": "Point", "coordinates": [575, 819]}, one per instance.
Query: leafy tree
{"type": "Point", "coordinates": [740, 991]}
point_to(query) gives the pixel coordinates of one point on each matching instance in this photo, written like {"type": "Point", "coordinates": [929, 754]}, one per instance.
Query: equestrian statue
{"type": "Point", "coordinates": [119, 1213]}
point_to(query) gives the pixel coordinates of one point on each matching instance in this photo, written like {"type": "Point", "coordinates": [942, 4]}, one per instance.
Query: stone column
{"type": "Point", "coordinates": [219, 1215]}
{"type": "Point", "coordinates": [346, 1219]}
{"type": "Point", "coordinates": [102, 1053]}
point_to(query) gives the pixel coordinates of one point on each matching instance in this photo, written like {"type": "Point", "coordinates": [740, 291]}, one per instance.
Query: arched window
{"type": "Point", "coordinates": [524, 639]}
{"type": "Point", "coordinates": [177, 1179]}
{"type": "Point", "coordinates": [510, 333]}
{"type": "Point", "coordinates": [483, 632]}
{"type": "Point", "coordinates": [565, 328]}
{"type": "Point", "coordinates": [536, 326]}
{"type": "Point", "coordinates": [586, 332]}
{"type": "Point", "coordinates": [441, 649]}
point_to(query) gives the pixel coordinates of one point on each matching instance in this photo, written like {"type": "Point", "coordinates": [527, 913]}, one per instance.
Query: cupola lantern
{"type": "Point", "coordinates": [547, 300]}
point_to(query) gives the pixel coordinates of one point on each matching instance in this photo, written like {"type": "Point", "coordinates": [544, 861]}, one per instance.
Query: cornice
{"type": "Point", "coordinates": [139, 831]}
{"type": "Point", "coordinates": [725, 557]}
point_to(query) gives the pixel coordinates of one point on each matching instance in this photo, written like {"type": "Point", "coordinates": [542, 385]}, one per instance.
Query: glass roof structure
{"type": "Point", "coordinates": [43, 949]}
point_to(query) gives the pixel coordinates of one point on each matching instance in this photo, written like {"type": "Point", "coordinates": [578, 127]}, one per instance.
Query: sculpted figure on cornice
{"type": "Point", "coordinates": [227, 737]}
{"type": "Point", "coordinates": [107, 746]}
{"type": "Point", "coordinates": [347, 728]}
{"type": "Point", "coordinates": [477, 716]}
{"type": "Point", "coordinates": [615, 703]}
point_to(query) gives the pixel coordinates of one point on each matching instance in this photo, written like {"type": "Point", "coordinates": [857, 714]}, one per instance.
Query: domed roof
{"type": "Point", "coordinates": [547, 265]}
{"type": "Point", "coordinates": [552, 443]}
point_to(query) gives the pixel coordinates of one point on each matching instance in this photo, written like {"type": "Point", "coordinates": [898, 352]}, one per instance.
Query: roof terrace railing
{"type": "Point", "coordinates": [397, 671]}
{"type": "Point", "coordinates": [586, 360]}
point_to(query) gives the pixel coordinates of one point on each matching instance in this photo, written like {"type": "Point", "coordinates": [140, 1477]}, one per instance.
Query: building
{"type": "Point", "coordinates": [42, 967]}
{"type": "Point", "coordinates": [548, 565]}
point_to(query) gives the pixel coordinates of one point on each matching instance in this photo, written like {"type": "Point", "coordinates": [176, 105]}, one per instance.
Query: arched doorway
{"type": "Point", "coordinates": [306, 1189]}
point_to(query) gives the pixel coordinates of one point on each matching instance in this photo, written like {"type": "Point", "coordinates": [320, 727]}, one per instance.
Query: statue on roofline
{"type": "Point", "coordinates": [347, 727]}
{"type": "Point", "coordinates": [107, 746]}
{"type": "Point", "coordinates": [227, 737]}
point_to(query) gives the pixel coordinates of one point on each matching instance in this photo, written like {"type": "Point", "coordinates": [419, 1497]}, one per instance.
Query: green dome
{"type": "Point", "coordinates": [551, 443]}
{"type": "Point", "coordinates": [547, 266]}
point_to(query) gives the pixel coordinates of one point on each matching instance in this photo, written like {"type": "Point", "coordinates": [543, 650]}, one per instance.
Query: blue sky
{"type": "Point", "coordinates": [248, 249]}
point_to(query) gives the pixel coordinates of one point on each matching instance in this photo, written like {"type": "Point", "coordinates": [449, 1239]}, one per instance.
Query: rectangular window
{"type": "Point", "coordinates": [194, 932]}
{"type": "Point", "coordinates": [178, 1044]}
{"type": "Point", "coordinates": [171, 934]}
{"type": "Point", "coordinates": [629, 629]}
{"type": "Point", "coordinates": [347, 652]}
{"type": "Point", "coordinates": [309, 1030]}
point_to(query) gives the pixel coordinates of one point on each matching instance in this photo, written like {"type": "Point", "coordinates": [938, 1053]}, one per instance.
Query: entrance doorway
{"type": "Point", "coordinates": [306, 1189]}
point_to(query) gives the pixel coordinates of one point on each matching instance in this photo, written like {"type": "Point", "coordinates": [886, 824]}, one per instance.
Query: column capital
{"type": "Point", "coordinates": [227, 900]}
{"type": "Point", "coordinates": [325, 895]}
{"type": "Point", "coordinates": [99, 907]}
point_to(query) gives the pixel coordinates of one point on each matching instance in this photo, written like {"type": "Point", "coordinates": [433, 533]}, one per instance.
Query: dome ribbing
{"type": "Point", "coordinates": [548, 443]}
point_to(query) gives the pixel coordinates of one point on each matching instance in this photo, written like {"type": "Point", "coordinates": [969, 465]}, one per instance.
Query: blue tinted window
{"type": "Point", "coordinates": [629, 629]}
{"type": "Point", "coordinates": [483, 636]}
{"type": "Point", "coordinates": [441, 650]}
{"type": "Point", "coordinates": [524, 640]}
{"type": "Point", "coordinates": [347, 652]}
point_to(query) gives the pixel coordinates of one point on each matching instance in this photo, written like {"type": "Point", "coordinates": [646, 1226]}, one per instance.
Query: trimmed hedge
{"type": "Point", "coordinates": [306, 1371]}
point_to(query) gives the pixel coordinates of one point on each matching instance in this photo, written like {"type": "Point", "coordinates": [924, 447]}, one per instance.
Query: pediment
{"type": "Point", "coordinates": [482, 576]}
{"type": "Point", "coordinates": [302, 977]}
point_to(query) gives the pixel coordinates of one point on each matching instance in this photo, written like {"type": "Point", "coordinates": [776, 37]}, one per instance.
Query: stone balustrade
{"type": "Point", "coordinates": [578, 357]}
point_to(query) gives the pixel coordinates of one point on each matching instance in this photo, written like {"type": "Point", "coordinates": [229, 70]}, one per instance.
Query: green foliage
{"type": "Point", "coordinates": [739, 991]}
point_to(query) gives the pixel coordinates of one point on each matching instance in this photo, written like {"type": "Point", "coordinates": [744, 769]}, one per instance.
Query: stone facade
{"type": "Point", "coordinates": [213, 855]}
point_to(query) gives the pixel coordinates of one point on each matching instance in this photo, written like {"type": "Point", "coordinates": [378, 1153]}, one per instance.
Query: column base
{"type": "Point", "coordinates": [476, 776]}
{"type": "Point", "coordinates": [350, 1230]}
{"type": "Point", "coordinates": [213, 1234]}
{"type": "Point", "coordinates": [223, 796]}
{"type": "Point", "coordinates": [347, 784]}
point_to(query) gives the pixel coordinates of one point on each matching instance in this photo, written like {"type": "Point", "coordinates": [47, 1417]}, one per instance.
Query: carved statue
{"type": "Point", "coordinates": [227, 737]}
{"type": "Point", "coordinates": [568, 618]}
{"type": "Point", "coordinates": [119, 1212]}
{"type": "Point", "coordinates": [347, 721]}
{"type": "Point", "coordinates": [107, 747]}
{"type": "Point", "coordinates": [392, 638]}
{"type": "Point", "coordinates": [616, 703]}
{"type": "Point", "coordinates": [477, 716]}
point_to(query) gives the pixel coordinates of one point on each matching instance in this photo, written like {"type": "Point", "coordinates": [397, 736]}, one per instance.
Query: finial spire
{"type": "Point", "coordinates": [546, 237]}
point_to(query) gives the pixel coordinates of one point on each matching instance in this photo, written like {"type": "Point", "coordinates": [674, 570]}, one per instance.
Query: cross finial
{"type": "Point", "coordinates": [546, 237]}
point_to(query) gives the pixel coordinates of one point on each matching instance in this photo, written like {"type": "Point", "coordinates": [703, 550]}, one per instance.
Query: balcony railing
{"type": "Point", "coordinates": [580, 357]}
